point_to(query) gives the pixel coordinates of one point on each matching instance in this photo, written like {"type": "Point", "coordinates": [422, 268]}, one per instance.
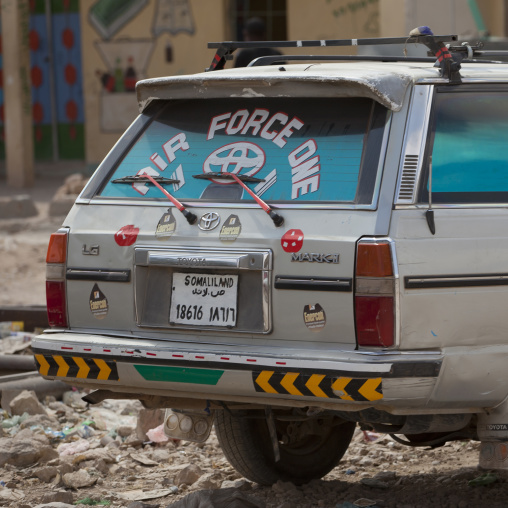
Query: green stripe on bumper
{"type": "Point", "coordinates": [179, 375]}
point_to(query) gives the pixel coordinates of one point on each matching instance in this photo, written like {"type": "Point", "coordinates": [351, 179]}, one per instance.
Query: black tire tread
{"type": "Point", "coordinates": [237, 438]}
{"type": "Point", "coordinates": [237, 447]}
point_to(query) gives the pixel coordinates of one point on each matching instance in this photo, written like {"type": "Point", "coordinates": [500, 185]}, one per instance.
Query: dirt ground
{"type": "Point", "coordinates": [404, 477]}
{"type": "Point", "coordinates": [23, 245]}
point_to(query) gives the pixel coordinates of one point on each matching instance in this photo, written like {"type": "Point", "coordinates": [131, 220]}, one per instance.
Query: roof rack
{"type": "Point", "coordinates": [448, 57]}
{"type": "Point", "coordinates": [476, 50]}
{"type": "Point", "coordinates": [226, 49]}
{"type": "Point", "coordinates": [273, 59]}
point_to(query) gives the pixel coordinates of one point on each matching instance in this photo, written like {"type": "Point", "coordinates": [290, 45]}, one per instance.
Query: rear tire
{"type": "Point", "coordinates": [247, 445]}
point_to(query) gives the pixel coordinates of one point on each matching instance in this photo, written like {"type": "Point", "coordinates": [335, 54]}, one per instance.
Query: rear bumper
{"type": "Point", "coordinates": [343, 380]}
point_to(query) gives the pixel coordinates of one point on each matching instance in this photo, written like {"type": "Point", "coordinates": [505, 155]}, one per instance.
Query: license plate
{"type": "Point", "coordinates": [205, 300]}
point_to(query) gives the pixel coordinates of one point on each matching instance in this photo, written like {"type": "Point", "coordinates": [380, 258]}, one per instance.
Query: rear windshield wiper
{"type": "Point", "coordinates": [191, 218]}
{"type": "Point", "coordinates": [278, 220]}
{"type": "Point", "coordinates": [143, 178]}
{"type": "Point", "coordinates": [243, 178]}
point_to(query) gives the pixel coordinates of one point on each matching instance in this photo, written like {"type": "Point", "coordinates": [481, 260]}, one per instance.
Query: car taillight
{"type": "Point", "coordinates": [374, 294]}
{"type": "Point", "coordinates": [56, 258]}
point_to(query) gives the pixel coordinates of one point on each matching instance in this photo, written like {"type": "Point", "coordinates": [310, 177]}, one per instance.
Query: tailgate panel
{"type": "Point", "coordinates": [154, 270]}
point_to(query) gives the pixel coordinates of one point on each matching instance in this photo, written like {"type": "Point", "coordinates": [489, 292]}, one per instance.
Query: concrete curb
{"type": "Point", "coordinates": [17, 206]}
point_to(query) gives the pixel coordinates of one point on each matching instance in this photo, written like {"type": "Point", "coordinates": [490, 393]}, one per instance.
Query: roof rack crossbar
{"type": "Point", "coordinates": [226, 49]}
{"type": "Point", "coordinates": [477, 53]}
{"type": "Point", "coordinates": [268, 60]}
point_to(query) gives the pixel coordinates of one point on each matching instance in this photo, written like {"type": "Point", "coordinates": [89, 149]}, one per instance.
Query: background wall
{"type": "Point", "coordinates": [131, 40]}
{"type": "Point", "coordinates": [494, 16]}
{"type": "Point", "coordinates": [462, 17]}
{"type": "Point", "coordinates": [99, 48]}
{"type": "Point", "coordinates": [332, 19]}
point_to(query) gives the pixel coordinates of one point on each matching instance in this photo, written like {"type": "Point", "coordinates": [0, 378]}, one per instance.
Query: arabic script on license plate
{"type": "Point", "coordinates": [205, 300]}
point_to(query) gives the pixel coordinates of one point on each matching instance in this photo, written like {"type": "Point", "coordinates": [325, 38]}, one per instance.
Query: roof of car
{"type": "Point", "coordinates": [385, 82]}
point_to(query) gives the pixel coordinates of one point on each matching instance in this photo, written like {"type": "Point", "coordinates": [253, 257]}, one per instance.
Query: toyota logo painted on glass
{"type": "Point", "coordinates": [209, 221]}
{"type": "Point", "coordinates": [235, 157]}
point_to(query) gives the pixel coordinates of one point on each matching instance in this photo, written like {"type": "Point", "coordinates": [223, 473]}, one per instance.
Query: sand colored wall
{"type": "Point", "coordinates": [398, 17]}
{"type": "Point", "coordinates": [180, 29]}
{"type": "Point", "coordinates": [16, 87]}
{"type": "Point", "coordinates": [392, 18]}
{"type": "Point", "coordinates": [150, 31]}
{"type": "Point", "coordinates": [494, 16]}
{"type": "Point", "coordinates": [332, 19]}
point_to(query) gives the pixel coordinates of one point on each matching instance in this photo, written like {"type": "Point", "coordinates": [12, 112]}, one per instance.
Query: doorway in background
{"type": "Point", "coordinates": [273, 12]}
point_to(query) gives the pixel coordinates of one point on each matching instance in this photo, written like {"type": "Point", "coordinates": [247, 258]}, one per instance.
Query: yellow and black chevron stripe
{"type": "Point", "coordinates": [318, 385]}
{"type": "Point", "coordinates": [77, 367]}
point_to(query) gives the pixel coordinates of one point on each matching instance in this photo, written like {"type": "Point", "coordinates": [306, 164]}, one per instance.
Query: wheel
{"type": "Point", "coordinates": [308, 448]}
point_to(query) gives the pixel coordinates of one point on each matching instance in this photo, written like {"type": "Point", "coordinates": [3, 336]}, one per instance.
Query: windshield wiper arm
{"type": "Point", "coordinates": [278, 220]}
{"type": "Point", "coordinates": [143, 178]}
{"type": "Point", "coordinates": [243, 178]}
{"type": "Point", "coordinates": [191, 218]}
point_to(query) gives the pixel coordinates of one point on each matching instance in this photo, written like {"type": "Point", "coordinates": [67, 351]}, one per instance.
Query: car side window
{"type": "Point", "coordinates": [468, 145]}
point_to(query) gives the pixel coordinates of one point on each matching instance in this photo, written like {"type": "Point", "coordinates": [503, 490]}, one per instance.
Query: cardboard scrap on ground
{"type": "Point", "coordinates": [143, 459]}
{"type": "Point", "coordinates": [140, 495]}
{"type": "Point", "coordinates": [11, 495]}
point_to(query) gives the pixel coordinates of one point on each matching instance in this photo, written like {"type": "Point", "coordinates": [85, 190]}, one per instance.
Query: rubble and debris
{"type": "Point", "coordinates": [189, 475]}
{"type": "Point", "coordinates": [79, 479]}
{"type": "Point", "coordinates": [8, 327]}
{"type": "Point", "coordinates": [219, 499]}
{"type": "Point", "coordinates": [14, 339]}
{"type": "Point", "coordinates": [70, 451]}
{"type": "Point", "coordinates": [72, 448]}
{"type": "Point", "coordinates": [148, 419]}
{"type": "Point", "coordinates": [66, 194]}
{"type": "Point", "coordinates": [26, 402]}
{"type": "Point", "coordinates": [157, 435]}
{"type": "Point", "coordinates": [365, 503]}
{"type": "Point", "coordinates": [484, 479]}
{"type": "Point", "coordinates": [18, 206]}
{"type": "Point", "coordinates": [139, 495]}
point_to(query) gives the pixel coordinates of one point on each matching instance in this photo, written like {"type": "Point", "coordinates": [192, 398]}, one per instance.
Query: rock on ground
{"type": "Point", "coordinates": [218, 499]}
{"type": "Point", "coordinates": [26, 402]}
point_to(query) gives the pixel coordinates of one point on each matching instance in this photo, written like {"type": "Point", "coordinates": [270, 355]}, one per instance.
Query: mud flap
{"type": "Point", "coordinates": [273, 433]}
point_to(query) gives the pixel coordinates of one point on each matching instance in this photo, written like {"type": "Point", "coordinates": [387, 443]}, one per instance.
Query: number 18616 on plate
{"type": "Point", "coordinates": [205, 300]}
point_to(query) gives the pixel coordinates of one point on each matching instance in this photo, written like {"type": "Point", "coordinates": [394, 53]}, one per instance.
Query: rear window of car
{"type": "Point", "coordinates": [299, 150]}
{"type": "Point", "coordinates": [468, 148]}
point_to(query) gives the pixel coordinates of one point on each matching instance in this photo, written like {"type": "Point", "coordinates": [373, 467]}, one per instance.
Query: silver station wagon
{"type": "Point", "coordinates": [293, 248]}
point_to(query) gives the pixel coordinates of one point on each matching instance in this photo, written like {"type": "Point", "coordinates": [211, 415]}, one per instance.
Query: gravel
{"type": "Point", "coordinates": [105, 466]}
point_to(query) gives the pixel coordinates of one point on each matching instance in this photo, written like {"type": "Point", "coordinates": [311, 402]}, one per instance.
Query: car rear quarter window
{"type": "Point", "coordinates": [468, 145]}
{"type": "Point", "coordinates": [301, 150]}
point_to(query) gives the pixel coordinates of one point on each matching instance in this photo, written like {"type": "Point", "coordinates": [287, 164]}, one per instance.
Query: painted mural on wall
{"type": "Point", "coordinates": [56, 77]}
{"type": "Point", "coordinates": [371, 17]}
{"type": "Point", "coordinates": [109, 16]}
{"type": "Point", "coordinates": [126, 59]}
{"type": "Point", "coordinates": [173, 16]}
